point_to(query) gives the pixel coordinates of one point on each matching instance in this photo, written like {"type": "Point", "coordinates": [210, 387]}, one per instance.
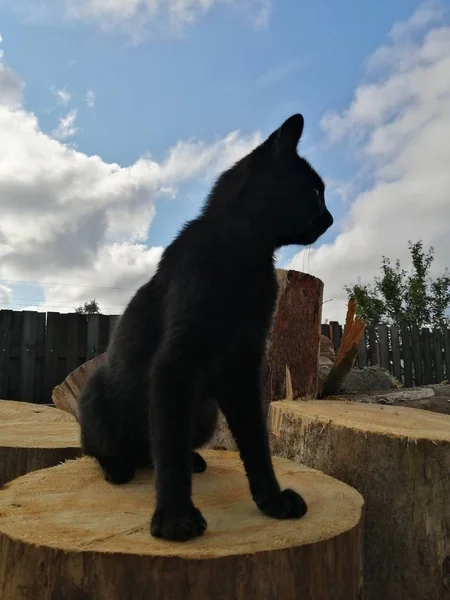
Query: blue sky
{"type": "Point", "coordinates": [223, 73]}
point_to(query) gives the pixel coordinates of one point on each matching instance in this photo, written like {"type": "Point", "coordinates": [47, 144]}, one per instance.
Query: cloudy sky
{"type": "Point", "coordinates": [116, 115]}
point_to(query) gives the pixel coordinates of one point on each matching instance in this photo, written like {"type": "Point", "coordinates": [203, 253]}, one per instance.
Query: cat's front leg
{"type": "Point", "coordinates": [171, 421]}
{"type": "Point", "coordinates": [240, 401]}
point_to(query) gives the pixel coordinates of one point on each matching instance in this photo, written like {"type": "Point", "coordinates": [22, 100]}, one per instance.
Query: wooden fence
{"type": "Point", "coordinates": [414, 356]}
{"type": "Point", "coordinates": [38, 350]}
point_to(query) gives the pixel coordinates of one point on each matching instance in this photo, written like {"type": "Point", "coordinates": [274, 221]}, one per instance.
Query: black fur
{"type": "Point", "coordinates": [193, 338]}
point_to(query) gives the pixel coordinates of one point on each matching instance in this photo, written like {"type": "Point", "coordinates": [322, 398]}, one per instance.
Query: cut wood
{"type": "Point", "coordinates": [13, 410]}
{"type": "Point", "coordinates": [66, 395]}
{"type": "Point", "coordinates": [291, 365]}
{"type": "Point", "coordinates": [294, 339]}
{"type": "Point", "coordinates": [399, 459]}
{"type": "Point", "coordinates": [347, 353]}
{"type": "Point", "coordinates": [34, 437]}
{"type": "Point", "coordinates": [65, 533]}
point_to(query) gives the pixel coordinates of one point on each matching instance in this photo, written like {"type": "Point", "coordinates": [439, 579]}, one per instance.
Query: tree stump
{"type": "Point", "coordinates": [399, 460]}
{"type": "Point", "coordinates": [293, 346]}
{"type": "Point", "coordinates": [291, 366]}
{"type": "Point", "coordinates": [34, 437]}
{"type": "Point", "coordinates": [13, 410]}
{"type": "Point", "coordinates": [65, 533]}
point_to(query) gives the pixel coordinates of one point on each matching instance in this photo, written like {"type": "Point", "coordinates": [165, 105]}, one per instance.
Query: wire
{"type": "Point", "coordinates": [20, 300]}
{"type": "Point", "coordinates": [101, 287]}
{"type": "Point", "coordinates": [9, 305]}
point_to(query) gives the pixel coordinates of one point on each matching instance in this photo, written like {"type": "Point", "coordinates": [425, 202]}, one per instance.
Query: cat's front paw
{"type": "Point", "coordinates": [177, 523]}
{"type": "Point", "coordinates": [285, 505]}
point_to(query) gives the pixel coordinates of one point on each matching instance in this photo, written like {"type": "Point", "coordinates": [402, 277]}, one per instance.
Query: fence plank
{"type": "Point", "coordinates": [39, 371]}
{"type": "Point", "coordinates": [373, 345]}
{"type": "Point", "coordinates": [93, 336]}
{"type": "Point", "coordinates": [51, 354]}
{"type": "Point", "coordinates": [446, 336]}
{"type": "Point", "coordinates": [76, 325]}
{"type": "Point", "coordinates": [396, 360]}
{"type": "Point", "coordinates": [362, 353]}
{"type": "Point", "coordinates": [437, 351]}
{"type": "Point", "coordinates": [384, 347]}
{"type": "Point", "coordinates": [14, 357]}
{"type": "Point", "coordinates": [5, 351]}
{"type": "Point", "coordinates": [336, 334]}
{"type": "Point", "coordinates": [61, 348]}
{"type": "Point", "coordinates": [407, 356]}
{"type": "Point", "coordinates": [103, 334]}
{"type": "Point", "coordinates": [426, 352]}
{"type": "Point", "coordinates": [28, 355]}
{"type": "Point", "coordinates": [416, 353]}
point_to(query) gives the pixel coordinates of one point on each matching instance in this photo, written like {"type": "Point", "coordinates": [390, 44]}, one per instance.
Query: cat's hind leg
{"type": "Point", "coordinates": [115, 444]}
{"type": "Point", "coordinates": [204, 428]}
{"type": "Point", "coordinates": [117, 469]}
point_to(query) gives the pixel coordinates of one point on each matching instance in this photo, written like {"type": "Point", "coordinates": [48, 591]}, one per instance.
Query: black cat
{"type": "Point", "coordinates": [193, 338]}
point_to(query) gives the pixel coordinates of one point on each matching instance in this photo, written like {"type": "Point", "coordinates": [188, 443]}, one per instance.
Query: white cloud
{"type": "Point", "coordinates": [90, 98]}
{"type": "Point", "coordinates": [5, 295]}
{"type": "Point", "coordinates": [67, 126]}
{"type": "Point", "coordinates": [277, 73]}
{"type": "Point", "coordinates": [62, 95]}
{"type": "Point", "coordinates": [139, 19]}
{"type": "Point", "coordinates": [399, 128]}
{"type": "Point", "coordinates": [67, 217]}
{"type": "Point", "coordinates": [10, 88]}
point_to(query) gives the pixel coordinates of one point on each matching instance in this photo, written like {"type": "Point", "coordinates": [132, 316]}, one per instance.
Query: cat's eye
{"type": "Point", "coordinates": [316, 191]}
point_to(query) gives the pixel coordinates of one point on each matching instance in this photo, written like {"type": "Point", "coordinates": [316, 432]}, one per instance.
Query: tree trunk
{"type": "Point", "coordinates": [399, 460]}
{"type": "Point", "coordinates": [34, 437]}
{"type": "Point", "coordinates": [292, 358]}
{"type": "Point", "coordinates": [67, 534]}
{"type": "Point", "coordinates": [291, 365]}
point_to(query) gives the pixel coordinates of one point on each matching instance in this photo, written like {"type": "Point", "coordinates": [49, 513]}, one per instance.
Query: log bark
{"type": "Point", "coordinates": [65, 395]}
{"type": "Point", "coordinates": [294, 340]}
{"type": "Point", "coordinates": [34, 437]}
{"type": "Point", "coordinates": [399, 460]}
{"type": "Point", "coordinates": [67, 534]}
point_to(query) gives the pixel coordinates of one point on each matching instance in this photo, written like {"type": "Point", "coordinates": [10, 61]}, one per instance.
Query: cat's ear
{"type": "Point", "coordinates": [289, 133]}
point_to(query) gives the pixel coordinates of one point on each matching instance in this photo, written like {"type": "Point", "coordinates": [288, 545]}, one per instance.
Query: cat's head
{"type": "Point", "coordinates": [280, 191]}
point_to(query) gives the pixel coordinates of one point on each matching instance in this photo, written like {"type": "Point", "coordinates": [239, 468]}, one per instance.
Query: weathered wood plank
{"type": "Point", "coordinates": [336, 334]}
{"type": "Point", "coordinates": [75, 326]}
{"type": "Point", "coordinates": [396, 357]}
{"type": "Point", "coordinates": [416, 354]}
{"type": "Point", "coordinates": [384, 347]}
{"type": "Point", "coordinates": [373, 346]}
{"type": "Point", "coordinates": [362, 353]}
{"type": "Point", "coordinates": [446, 336]}
{"type": "Point", "coordinates": [437, 356]}
{"type": "Point", "coordinates": [5, 351]}
{"type": "Point", "coordinates": [426, 352]}
{"type": "Point", "coordinates": [39, 371]}
{"type": "Point", "coordinates": [93, 336]}
{"type": "Point", "coordinates": [28, 355]}
{"type": "Point", "coordinates": [407, 356]}
{"type": "Point", "coordinates": [14, 385]}
{"type": "Point", "coordinates": [51, 353]}
{"type": "Point", "coordinates": [103, 333]}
